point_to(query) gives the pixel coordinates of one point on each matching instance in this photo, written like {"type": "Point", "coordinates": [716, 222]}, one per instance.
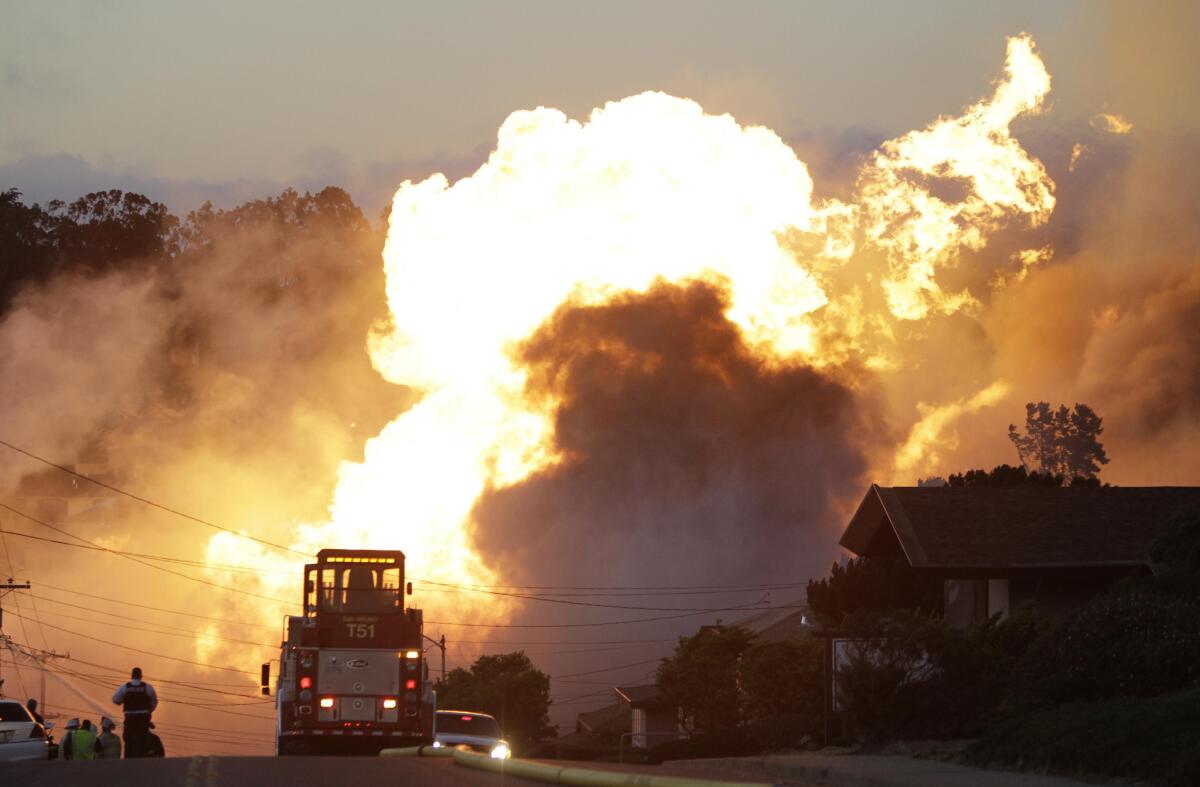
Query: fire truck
{"type": "Point", "coordinates": [352, 677]}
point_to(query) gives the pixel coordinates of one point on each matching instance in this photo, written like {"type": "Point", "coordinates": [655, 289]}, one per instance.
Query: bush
{"type": "Point", "coordinates": [1135, 644]}
{"type": "Point", "coordinates": [919, 678]}
{"type": "Point", "coordinates": [1176, 554]}
{"type": "Point", "coordinates": [1129, 738]}
{"type": "Point", "coordinates": [786, 731]}
{"type": "Point", "coordinates": [783, 679]}
{"type": "Point", "coordinates": [730, 743]}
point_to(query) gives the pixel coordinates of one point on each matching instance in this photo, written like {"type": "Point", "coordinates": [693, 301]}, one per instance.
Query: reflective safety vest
{"type": "Point", "coordinates": [83, 745]}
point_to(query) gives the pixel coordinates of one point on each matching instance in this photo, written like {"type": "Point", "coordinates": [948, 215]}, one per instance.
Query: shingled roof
{"type": "Point", "coordinates": [1015, 526]}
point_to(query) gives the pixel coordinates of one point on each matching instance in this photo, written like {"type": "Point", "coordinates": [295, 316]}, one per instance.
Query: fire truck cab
{"type": "Point", "coordinates": [352, 677]}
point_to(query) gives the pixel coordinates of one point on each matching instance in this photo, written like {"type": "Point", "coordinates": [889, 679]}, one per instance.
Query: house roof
{"type": "Point", "coordinates": [612, 718]}
{"type": "Point", "coordinates": [1015, 526]}
{"type": "Point", "coordinates": [638, 695]}
{"type": "Point", "coordinates": [793, 621]}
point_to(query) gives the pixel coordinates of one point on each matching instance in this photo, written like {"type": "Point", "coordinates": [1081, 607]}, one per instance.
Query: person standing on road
{"type": "Point", "coordinates": [83, 742]}
{"type": "Point", "coordinates": [68, 741]}
{"type": "Point", "coordinates": [32, 707]}
{"type": "Point", "coordinates": [108, 745]}
{"type": "Point", "coordinates": [138, 700]}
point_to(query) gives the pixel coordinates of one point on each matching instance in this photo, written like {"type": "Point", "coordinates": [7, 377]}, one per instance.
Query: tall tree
{"type": "Point", "coordinates": [701, 678]}
{"type": "Point", "coordinates": [1061, 442]}
{"type": "Point", "coordinates": [105, 229]}
{"type": "Point", "coordinates": [507, 686]}
{"type": "Point", "coordinates": [25, 245]}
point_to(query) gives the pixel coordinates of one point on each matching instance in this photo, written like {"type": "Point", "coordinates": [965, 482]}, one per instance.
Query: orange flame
{"type": "Point", "coordinates": [648, 189]}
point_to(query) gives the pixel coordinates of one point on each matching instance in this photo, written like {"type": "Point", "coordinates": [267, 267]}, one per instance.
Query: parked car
{"type": "Point", "coordinates": [478, 731]}
{"type": "Point", "coordinates": [21, 738]}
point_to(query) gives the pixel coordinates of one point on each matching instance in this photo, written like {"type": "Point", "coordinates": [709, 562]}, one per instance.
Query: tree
{"type": "Point", "coordinates": [1004, 475]}
{"type": "Point", "coordinates": [507, 686]}
{"type": "Point", "coordinates": [783, 678]}
{"type": "Point", "coordinates": [104, 229]}
{"type": "Point", "coordinates": [874, 584]}
{"type": "Point", "coordinates": [1176, 556]}
{"type": "Point", "coordinates": [701, 678]}
{"type": "Point", "coordinates": [25, 244]}
{"type": "Point", "coordinates": [1061, 442]}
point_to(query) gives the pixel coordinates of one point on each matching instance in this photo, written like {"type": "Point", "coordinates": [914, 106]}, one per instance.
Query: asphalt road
{"type": "Point", "coordinates": [251, 772]}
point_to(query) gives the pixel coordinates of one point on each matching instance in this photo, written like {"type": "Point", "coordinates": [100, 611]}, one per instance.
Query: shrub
{"type": "Point", "coordinates": [919, 678]}
{"type": "Point", "coordinates": [782, 678]}
{"type": "Point", "coordinates": [730, 743]}
{"type": "Point", "coordinates": [1134, 644]}
{"type": "Point", "coordinates": [1128, 738]}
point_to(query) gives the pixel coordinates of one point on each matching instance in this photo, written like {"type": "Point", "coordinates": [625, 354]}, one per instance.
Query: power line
{"type": "Point", "coordinates": [606, 669]}
{"type": "Point", "coordinates": [774, 586]}
{"type": "Point", "coordinates": [654, 619]}
{"type": "Point", "coordinates": [198, 685]}
{"type": "Point", "coordinates": [153, 609]}
{"type": "Point", "coordinates": [151, 503]}
{"type": "Point", "coordinates": [184, 633]}
{"type": "Point", "coordinates": [568, 602]}
{"type": "Point", "coordinates": [147, 652]}
{"type": "Point", "coordinates": [137, 560]}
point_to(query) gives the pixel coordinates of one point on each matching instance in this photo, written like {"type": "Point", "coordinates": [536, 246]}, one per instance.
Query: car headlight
{"type": "Point", "coordinates": [500, 752]}
{"type": "Point", "coordinates": [437, 744]}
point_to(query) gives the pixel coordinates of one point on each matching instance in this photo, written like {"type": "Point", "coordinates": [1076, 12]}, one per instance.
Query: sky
{"type": "Point", "coordinates": [227, 101]}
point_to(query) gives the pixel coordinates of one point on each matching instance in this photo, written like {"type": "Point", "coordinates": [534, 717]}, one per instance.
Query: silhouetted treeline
{"type": "Point", "coordinates": [113, 230]}
{"type": "Point", "coordinates": [1007, 475]}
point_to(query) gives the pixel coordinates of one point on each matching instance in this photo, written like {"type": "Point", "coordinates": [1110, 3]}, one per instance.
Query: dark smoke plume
{"type": "Point", "coordinates": [688, 459]}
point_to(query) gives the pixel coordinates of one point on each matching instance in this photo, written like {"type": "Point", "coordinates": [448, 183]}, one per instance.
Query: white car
{"type": "Point", "coordinates": [479, 731]}
{"type": "Point", "coordinates": [21, 738]}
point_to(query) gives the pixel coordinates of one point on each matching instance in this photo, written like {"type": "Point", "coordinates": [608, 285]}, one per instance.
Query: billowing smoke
{"type": "Point", "coordinates": [227, 380]}
{"type": "Point", "coordinates": [686, 458]}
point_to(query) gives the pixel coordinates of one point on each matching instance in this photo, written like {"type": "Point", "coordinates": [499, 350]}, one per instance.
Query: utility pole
{"type": "Point", "coordinates": [5, 589]}
{"type": "Point", "coordinates": [440, 643]}
{"type": "Point", "coordinates": [42, 658]}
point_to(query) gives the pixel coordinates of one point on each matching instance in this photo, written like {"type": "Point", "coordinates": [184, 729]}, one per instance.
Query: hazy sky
{"type": "Point", "coordinates": [229, 100]}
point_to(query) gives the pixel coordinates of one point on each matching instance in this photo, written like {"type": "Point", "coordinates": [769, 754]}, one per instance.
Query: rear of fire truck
{"type": "Point", "coordinates": [352, 679]}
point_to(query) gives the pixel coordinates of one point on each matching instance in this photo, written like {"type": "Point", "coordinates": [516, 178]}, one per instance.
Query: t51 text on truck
{"type": "Point", "coordinates": [352, 679]}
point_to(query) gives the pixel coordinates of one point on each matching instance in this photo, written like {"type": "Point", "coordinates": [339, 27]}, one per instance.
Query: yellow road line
{"type": "Point", "coordinates": [193, 772]}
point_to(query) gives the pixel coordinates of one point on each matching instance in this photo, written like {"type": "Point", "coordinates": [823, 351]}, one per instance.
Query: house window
{"type": "Point", "coordinates": [971, 600]}
{"type": "Point", "coordinates": [997, 598]}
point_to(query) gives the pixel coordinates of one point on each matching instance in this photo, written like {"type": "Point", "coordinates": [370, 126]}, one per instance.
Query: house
{"type": "Point", "coordinates": [651, 719]}
{"type": "Point", "coordinates": [605, 725]}
{"type": "Point", "coordinates": [996, 547]}
{"type": "Point", "coordinates": [792, 621]}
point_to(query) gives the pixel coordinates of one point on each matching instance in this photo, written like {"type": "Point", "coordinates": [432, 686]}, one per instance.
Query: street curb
{"type": "Point", "coordinates": [581, 777]}
{"type": "Point", "coordinates": [417, 751]}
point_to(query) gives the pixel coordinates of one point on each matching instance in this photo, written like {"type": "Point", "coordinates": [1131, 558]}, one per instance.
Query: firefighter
{"type": "Point", "coordinates": [138, 700]}
{"type": "Point", "coordinates": [69, 738]}
{"type": "Point", "coordinates": [108, 745]}
{"type": "Point", "coordinates": [84, 745]}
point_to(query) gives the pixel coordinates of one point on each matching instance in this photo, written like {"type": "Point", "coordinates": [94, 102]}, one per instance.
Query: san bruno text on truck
{"type": "Point", "coordinates": [352, 678]}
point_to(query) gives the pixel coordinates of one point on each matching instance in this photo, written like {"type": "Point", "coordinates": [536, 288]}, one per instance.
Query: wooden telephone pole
{"type": "Point", "coordinates": [5, 589]}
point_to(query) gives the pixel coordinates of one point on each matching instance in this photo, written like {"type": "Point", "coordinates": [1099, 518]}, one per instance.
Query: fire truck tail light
{"type": "Point", "coordinates": [389, 704]}
{"type": "Point", "coordinates": [306, 682]}
{"type": "Point", "coordinates": [410, 684]}
{"type": "Point", "coordinates": [412, 654]}
{"type": "Point", "coordinates": [327, 702]}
